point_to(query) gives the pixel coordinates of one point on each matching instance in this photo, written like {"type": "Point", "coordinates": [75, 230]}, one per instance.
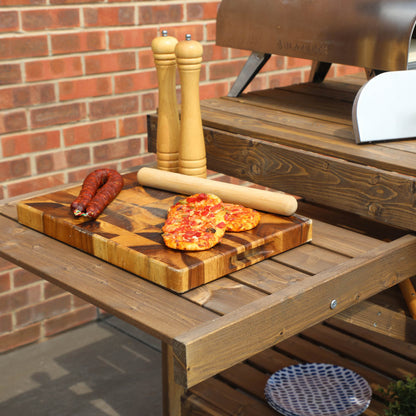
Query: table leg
{"type": "Point", "coordinates": [409, 295]}
{"type": "Point", "coordinates": [172, 392]}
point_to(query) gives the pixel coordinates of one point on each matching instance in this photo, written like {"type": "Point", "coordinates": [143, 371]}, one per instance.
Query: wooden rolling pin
{"type": "Point", "coordinates": [274, 202]}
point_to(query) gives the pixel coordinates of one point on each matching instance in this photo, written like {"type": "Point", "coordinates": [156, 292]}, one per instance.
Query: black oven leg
{"type": "Point", "coordinates": [318, 71]}
{"type": "Point", "coordinates": [254, 64]}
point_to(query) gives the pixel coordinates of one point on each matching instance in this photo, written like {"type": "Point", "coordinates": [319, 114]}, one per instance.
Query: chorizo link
{"type": "Point", "coordinates": [89, 187]}
{"type": "Point", "coordinates": [98, 190]}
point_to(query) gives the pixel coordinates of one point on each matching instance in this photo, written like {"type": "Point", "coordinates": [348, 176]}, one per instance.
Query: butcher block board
{"type": "Point", "coordinates": [128, 235]}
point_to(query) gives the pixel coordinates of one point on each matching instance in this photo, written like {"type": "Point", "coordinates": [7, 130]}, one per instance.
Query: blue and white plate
{"type": "Point", "coordinates": [317, 389]}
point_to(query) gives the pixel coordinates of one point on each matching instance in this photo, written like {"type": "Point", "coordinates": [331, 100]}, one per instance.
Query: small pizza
{"type": "Point", "coordinates": [194, 210]}
{"type": "Point", "coordinates": [195, 223]}
{"type": "Point", "coordinates": [199, 221]}
{"type": "Point", "coordinates": [192, 203]}
{"type": "Point", "coordinates": [189, 239]}
{"type": "Point", "coordinates": [240, 218]}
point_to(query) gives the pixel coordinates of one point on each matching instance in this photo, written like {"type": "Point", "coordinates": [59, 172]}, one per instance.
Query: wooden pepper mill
{"type": "Point", "coordinates": [192, 157]}
{"type": "Point", "coordinates": [168, 127]}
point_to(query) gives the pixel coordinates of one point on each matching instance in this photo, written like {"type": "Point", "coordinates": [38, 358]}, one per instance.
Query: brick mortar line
{"type": "Point", "coordinates": [67, 171]}
{"type": "Point", "coordinates": [95, 52]}
{"type": "Point", "coordinates": [114, 74]}
{"type": "Point", "coordinates": [83, 28]}
{"type": "Point", "coordinates": [90, 145]}
{"type": "Point", "coordinates": [145, 3]}
{"type": "Point", "coordinates": [92, 5]}
{"type": "Point", "coordinates": [62, 127]}
{"type": "Point", "coordinates": [84, 100]}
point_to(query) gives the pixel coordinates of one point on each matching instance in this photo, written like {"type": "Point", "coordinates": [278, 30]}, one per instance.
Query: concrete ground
{"type": "Point", "coordinates": [106, 368]}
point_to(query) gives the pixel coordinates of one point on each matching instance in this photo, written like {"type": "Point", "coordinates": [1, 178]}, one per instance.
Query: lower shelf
{"type": "Point", "coordinates": [240, 390]}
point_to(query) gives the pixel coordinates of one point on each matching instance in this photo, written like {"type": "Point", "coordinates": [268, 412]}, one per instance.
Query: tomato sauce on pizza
{"type": "Point", "coordinates": [195, 223]}
{"type": "Point", "coordinates": [199, 221]}
{"type": "Point", "coordinates": [239, 218]}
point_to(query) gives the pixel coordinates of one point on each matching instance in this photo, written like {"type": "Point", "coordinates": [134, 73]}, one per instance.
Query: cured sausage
{"type": "Point", "coordinates": [99, 188]}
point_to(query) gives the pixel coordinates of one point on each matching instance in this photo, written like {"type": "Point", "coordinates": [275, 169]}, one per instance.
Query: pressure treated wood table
{"type": "Point", "coordinates": [215, 326]}
{"type": "Point", "coordinates": [346, 270]}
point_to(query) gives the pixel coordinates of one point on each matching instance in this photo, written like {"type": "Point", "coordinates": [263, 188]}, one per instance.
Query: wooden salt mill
{"type": "Point", "coordinates": [192, 157]}
{"type": "Point", "coordinates": [168, 127]}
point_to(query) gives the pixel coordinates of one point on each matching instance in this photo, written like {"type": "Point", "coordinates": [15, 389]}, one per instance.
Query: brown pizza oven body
{"type": "Point", "coordinates": [377, 35]}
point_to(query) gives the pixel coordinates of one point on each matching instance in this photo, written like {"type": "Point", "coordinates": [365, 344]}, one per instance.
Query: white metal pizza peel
{"type": "Point", "coordinates": [385, 108]}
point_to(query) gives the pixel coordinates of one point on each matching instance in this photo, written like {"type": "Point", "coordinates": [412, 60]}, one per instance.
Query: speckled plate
{"type": "Point", "coordinates": [317, 389]}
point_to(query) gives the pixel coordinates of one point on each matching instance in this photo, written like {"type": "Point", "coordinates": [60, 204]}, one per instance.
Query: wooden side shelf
{"type": "Point", "coordinates": [240, 390]}
{"type": "Point", "coordinates": [299, 139]}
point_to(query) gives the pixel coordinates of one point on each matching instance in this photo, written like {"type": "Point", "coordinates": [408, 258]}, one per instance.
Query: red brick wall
{"type": "Point", "coordinates": [76, 82]}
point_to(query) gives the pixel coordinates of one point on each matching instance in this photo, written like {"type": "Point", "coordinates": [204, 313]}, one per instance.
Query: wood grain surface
{"type": "Point", "coordinates": [299, 139]}
{"type": "Point", "coordinates": [298, 272]}
{"type": "Point", "coordinates": [128, 235]}
{"type": "Point", "coordinates": [240, 389]}
{"type": "Point", "coordinates": [281, 314]}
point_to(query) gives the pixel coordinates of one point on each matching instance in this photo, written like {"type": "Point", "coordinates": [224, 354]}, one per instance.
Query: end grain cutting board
{"type": "Point", "coordinates": [128, 235]}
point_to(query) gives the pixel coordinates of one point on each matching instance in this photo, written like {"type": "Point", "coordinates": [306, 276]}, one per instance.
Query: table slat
{"type": "Point", "coordinates": [273, 318]}
{"type": "Point", "coordinates": [120, 293]}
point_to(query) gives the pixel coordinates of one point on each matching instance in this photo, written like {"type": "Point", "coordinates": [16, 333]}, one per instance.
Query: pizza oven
{"type": "Point", "coordinates": [377, 35]}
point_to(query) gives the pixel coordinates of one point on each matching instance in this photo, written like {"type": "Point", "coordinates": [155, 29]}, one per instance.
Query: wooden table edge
{"type": "Point", "coordinates": [211, 347]}
{"type": "Point", "coordinates": [83, 275]}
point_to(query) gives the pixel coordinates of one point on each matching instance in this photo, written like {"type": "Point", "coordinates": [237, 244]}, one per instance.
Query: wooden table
{"type": "Point", "coordinates": [346, 269]}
